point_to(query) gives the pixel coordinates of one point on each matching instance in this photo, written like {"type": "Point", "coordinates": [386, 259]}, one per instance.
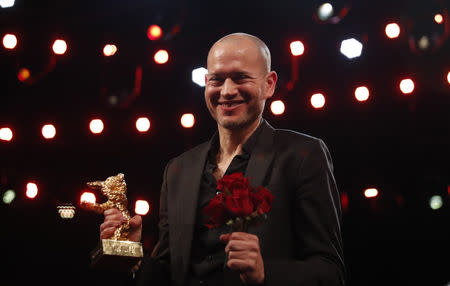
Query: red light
{"type": "Point", "coordinates": [371, 193]}
{"type": "Point", "coordinates": [143, 124]}
{"type": "Point", "coordinates": [9, 41]}
{"type": "Point", "coordinates": [344, 201]}
{"type": "Point", "coordinates": [161, 57]}
{"type": "Point", "coordinates": [154, 32]}
{"type": "Point", "coordinates": [187, 120]}
{"type": "Point", "coordinates": [32, 190]}
{"type": "Point", "coordinates": [407, 86]}
{"type": "Point", "coordinates": [48, 131]}
{"type": "Point", "coordinates": [392, 30]}
{"type": "Point", "coordinates": [317, 100]}
{"type": "Point", "coordinates": [142, 207]}
{"type": "Point", "coordinates": [59, 47]}
{"type": "Point", "coordinates": [297, 48]}
{"type": "Point", "coordinates": [23, 74]}
{"type": "Point", "coordinates": [109, 50]}
{"type": "Point", "coordinates": [6, 134]}
{"type": "Point", "coordinates": [448, 77]}
{"type": "Point", "coordinates": [87, 198]}
{"type": "Point", "coordinates": [96, 126]}
{"type": "Point", "coordinates": [362, 93]}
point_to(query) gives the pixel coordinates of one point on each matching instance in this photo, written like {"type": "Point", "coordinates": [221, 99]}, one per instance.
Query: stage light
{"type": "Point", "coordinates": [438, 18]}
{"type": "Point", "coordinates": [198, 76]}
{"type": "Point", "coordinates": [9, 196]}
{"type": "Point", "coordinates": [154, 32]}
{"type": "Point", "coordinates": [6, 3]}
{"type": "Point", "coordinates": [87, 198]}
{"type": "Point", "coordinates": [277, 107]}
{"type": "Point", "coordinates": [109, 50]}
{"type": "Point", "coordinates": [344, 201]}
{"type": "Point", "coordinates": [407, 86]}
{"type": "Point", "coordinates": [392, 30]}
{"type": "Point", "coordinates": [59, 47]}
{"type": "Point", "coordinates": [297, 48]}
{"type": "Point", "coordinates": [362, 93]}
{"type": "Point", "coordinates": [351, 48]}
{"type": "Point", "coordinates": [370, 193]}
{"type": "Point", "coordinates": [435, 202]}
{"type": "Point", "coordinates": [161, 57]}
{"type": "Point", "coordinates": [448, 77]}
{"type": "Point", "coordinates": [317, 100]}
{"type": "Point", "coordinates": [32, 190]}
{"type": "Point", "coordinates": [23, 74]}
{"type": "Point", "coordinates": [48, 131]}
{"type": "Point", "coordinates": [142, 124]}
{"type": "Point", "coordinates": [325, 11]}
{"type": "Point", "coordinates": [96, 126]}
{"type": "Point", "coordinates": [66, 211]}
{"type": "Point", "coordinates": [6, 134]}
{"type": "Point", "coordinates": [141, 207]}
{"type": "Point", "coordinates": [187, 120]}
{"type": "Point", "coordinates": [9, 41]}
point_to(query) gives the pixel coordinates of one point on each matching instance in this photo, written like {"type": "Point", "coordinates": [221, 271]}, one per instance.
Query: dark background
{"type": "Point", "coordinates": [397, 143]}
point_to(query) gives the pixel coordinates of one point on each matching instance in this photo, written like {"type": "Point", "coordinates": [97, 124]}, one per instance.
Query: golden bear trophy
{"type": "Point", "coordinates": [118, 252]}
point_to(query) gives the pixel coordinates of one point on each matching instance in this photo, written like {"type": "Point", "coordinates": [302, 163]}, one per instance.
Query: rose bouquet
{"type": "Point", "coordinates": [237, 204]}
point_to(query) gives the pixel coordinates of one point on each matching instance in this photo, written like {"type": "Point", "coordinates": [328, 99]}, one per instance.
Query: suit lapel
{"type": "Point", "coordinates": [261, 157]}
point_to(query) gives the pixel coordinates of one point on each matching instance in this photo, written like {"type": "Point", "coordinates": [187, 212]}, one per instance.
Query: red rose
{"type": "Point", "coordinates": [239, 203]}
{"type": "Point", "coordinates": [217, 211]}
{"type": "Point", "coordinates": [231, 182]}
{"type": "Point", "coordinates": [262, 199]}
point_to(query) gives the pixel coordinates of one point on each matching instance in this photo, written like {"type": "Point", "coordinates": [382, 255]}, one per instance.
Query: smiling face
{"type": "Point", "coordinates": [238, 82]}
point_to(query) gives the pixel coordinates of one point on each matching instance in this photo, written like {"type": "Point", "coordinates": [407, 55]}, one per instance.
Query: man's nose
{"type": "Point", "coordinates": [229, 88]}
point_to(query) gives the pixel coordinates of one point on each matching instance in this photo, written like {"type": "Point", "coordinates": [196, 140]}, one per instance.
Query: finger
{"type": "Point", "coordinates": [136, 221]}
{"type": "Point", "coordinates": [241, 245]}
{"type": "Point", "coordinates": [115, 216]}
{"type": "Point", "coordinates": [243, 265]}
{"type": "Point", "coordinates": [111, 223]}
{"type": "Point", "coordinates": [225, 237]}
{"type": "Point", "coordinates": [242, 255]}
{"type": "Point", "coordinates": [107, 232]}
{"type": "Point", "coordinates": [111, 211]}
{"type": "Point", "coordinates": [243, 236]}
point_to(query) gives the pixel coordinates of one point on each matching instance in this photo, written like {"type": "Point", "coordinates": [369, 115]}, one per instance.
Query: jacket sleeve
{"type": "Point", "coordinates": [317, 219]}
{"type": "Point", "coordinates": [155, 269]}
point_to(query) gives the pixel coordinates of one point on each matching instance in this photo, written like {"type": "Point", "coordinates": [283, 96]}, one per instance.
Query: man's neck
{"type": "Point", "coordinates": [231, 141]}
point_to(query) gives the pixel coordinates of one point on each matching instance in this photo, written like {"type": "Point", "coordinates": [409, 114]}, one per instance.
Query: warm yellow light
{"type": "Point", "coordinates": [48, 131]}
{"type": "Point", "coordinates": [297, 48]}
{"type": "Point", "coordinates": [277, 107]}
{"type": "Point", "coordinates": [187, 120]}
{"type": "Point", "coordinates": [438, 18]}
{"type": "Point", "coordinates": [59, 47]}
{"type": "Point", "coordinates": [142, 207]}
{"type": "Point", "coordinates": [392, 30]}
{"type": "Point", "coordinates": [448, 77]}
{"type": "Point", "coordinates": [370, 193]}
{"type": "Point", "coordinates": [362, 93]}
{"type": "Point", "coordinates": [154, 32]}
{"type": "Point", "coordinates": [109, 50]}
{"type": "Point", "coordinates": [9, 41]}
{"type": "Point", "coordinates": [32, 190]}
{"type": "Point", "coordinates": [318, 100]}
{"type": "Point", "coordinates": [96, 126]}
{"type": "Point", "coordinates": [143, 124]}
{"type": "Point", "coordinates": [87, 198]}
{"type": "Point", "coordinates": [6, 134]}
{"type": "Point", "coordinates": [23, 74]}
{"type": "Point", "coordinates": [407, 86]}
{"type": "Point", "coordinates": [161, 57]}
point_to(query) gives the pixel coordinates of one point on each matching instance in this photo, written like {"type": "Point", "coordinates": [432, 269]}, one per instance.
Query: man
{"type": "Point", "coordinates": [299, 243]}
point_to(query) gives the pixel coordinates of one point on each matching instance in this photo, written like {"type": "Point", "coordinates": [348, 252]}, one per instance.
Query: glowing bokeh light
{"type": "Point", "coordinates": [187, 120]}
{"type": "Point", "coordinates": [96, 126]}
{"type": "Point", "coordinates": [32, 190]}
{"type": "Point", "coordinates": [436, 202]}
{"type": "Point", "coordinates": [6, 3]}
{"type": "Point", "coordinates": [438, 18]}
{"type": "Point", "coordinates": [109, 50]}
{"type": "Point", "coordinates": [362, 93]}
{"type": "Point", "coordinates": [154, 32]}
{"type": "Point", "coordinates": [325, 11]}
{"type": "Point", "coordinates": [407, 86]}
{"type": "Point", "coordinates": [161, 57]}
{"type": "Point", "coordinates": [277, 107]}
{"type": "Point", "coordinates": [351, 48]}
{"type": "Point", "coordinates": [142, 207]}
{"type": "Point", "coordinates": [317, 100]}
{"type": "Point", "coordinates": [297, 48]}
{"type": "Point", "coordinates": [59, 47]}
{"type": "Point", "coordinates": [48, 131]}
{"type": "Point", "coordinates": [6, 134]}
{"type": "Point", "coordinates": [9, 196]}
{"type": "Point", "coordinates": [66, 212]}
{"type": "Point", "coordinates": [142, 124]}
{"type": "Point", "coordinates": [87, 198]}
{"type": "Point", "coordinates": [23, 74]}
{"type": "Point", "coordinates": [198, 76]}
{"type": "Point", "coordinates": [448, 77]}
{"type": "Point", "coordinates": [392, 30]}
{"type": "Point", "coordinates": [370, 193]}
{"type": "Point", "coordinates": [9, 41]}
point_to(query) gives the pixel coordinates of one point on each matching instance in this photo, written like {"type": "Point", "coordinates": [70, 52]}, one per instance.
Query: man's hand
{"type": "Point", "coordinates": [244, 255]}
{"type": "Point", "coordinates": [114, 218]}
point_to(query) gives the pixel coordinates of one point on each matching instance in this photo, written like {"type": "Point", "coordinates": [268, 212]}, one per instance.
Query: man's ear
{"type": "Point", "coordinates": [271, 82]}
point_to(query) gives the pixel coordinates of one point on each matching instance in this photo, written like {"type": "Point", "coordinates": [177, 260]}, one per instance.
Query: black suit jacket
{"type": "Point", "coordinates": [301, 240]}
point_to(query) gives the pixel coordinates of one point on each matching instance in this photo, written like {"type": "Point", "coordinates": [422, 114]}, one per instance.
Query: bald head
{"type": "Point", "coordinates": [237, 38]}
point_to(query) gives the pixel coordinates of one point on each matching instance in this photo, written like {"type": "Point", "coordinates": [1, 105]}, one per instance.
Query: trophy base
{"type": "Point", "coordinates": [118, 255]}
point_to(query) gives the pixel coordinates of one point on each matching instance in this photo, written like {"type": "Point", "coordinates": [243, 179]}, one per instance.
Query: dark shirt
{"type": "Point", "coordinates": [208, 252]}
